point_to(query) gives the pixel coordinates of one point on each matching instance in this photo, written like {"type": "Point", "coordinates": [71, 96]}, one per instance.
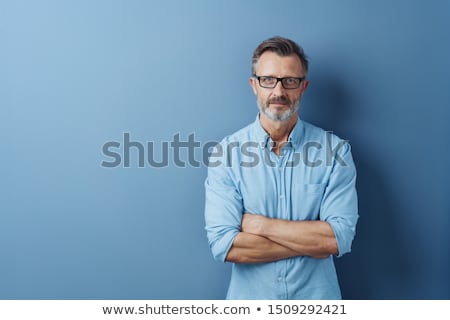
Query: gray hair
{"type": "Point", "coordinates": [283, 47]}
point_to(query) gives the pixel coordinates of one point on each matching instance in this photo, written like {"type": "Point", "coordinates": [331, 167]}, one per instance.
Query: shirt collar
{"type": "Point", "coordinates": [263, 137]}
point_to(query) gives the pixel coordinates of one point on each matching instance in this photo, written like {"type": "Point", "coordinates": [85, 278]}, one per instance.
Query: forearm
{"type": "Point", "coordinates": [252, 248]}
{"type": "Point", "coordinates": [309, 238]}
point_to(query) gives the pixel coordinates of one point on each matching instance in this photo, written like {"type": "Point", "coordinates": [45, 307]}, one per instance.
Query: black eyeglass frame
{"type": "Point", "coordinates": [278, 80]}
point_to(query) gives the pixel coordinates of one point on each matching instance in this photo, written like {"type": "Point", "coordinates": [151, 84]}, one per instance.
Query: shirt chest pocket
{"type": "Point", "coordinates": [306, 200]}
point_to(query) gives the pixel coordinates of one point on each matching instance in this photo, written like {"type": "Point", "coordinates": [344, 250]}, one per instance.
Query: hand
{"type": "Point", "coordinates": [253, 223]}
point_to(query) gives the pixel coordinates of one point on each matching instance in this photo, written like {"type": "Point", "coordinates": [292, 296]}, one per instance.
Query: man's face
{"type": "Point", "coordinates": [278, 104]}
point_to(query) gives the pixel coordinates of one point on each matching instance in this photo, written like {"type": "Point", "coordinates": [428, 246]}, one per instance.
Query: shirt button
{"type": "Point", "coordinates": [281, 196]}
{"type": "Point", "coordinates": [280, 278]}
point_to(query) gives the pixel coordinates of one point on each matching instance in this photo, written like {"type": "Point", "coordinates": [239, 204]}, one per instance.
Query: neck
{"type": "Point", "coordinates": [278, 130]}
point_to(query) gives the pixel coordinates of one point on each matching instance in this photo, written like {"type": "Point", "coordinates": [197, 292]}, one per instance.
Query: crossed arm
{"type": "Point", "coordinates": [264, 239]}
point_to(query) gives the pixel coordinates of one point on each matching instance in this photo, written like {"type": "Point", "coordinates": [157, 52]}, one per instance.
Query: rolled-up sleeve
{"type": "Point", "coordinates": [339, 205]}
{"type": "Point", "coordinates": [223, 210]}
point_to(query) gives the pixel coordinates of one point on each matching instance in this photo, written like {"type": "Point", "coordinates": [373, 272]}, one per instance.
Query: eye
{"type": "Point", "coordinates": [291, 81]}
{"type": "Point", "coordinates": [267, 80]}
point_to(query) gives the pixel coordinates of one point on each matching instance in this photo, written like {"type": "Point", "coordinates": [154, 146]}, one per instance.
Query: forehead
{"type": "Point", "coordinates": [271, 64]}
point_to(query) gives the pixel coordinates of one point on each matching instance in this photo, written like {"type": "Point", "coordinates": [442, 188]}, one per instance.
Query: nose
{"type": "Point", "coordinates": [278, 90]}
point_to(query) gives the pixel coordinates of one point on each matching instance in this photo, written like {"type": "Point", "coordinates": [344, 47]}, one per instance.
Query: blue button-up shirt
{"type": "Point", "coordinates": [312, 179]}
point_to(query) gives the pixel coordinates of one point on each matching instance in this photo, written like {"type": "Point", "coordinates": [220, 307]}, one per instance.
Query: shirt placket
{"type": "Point", "coordinates": [282, 212]}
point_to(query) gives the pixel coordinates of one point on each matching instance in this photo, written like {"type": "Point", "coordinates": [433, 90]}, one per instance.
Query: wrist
{"type": "Point", "coordinates": [265, 226]}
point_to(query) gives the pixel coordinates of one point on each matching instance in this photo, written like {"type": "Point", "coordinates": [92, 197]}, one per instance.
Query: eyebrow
{"type": "Point", "coordinates": [273, 76]}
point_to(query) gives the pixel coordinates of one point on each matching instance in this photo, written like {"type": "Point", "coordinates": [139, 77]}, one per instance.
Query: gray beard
{"type": "Point", "coordinates": [286, 115]}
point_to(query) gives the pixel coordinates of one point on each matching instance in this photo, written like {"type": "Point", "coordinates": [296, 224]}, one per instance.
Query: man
{"type": "Point", "coordinates": [280, 193]}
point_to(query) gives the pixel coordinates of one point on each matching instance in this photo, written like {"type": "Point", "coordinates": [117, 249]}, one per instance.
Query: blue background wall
{"type": "Point", "coordinates": [76, 74]}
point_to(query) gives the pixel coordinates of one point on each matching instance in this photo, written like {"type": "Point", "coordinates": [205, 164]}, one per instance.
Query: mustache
{"type": "Point", "coordinates": [280, 99]}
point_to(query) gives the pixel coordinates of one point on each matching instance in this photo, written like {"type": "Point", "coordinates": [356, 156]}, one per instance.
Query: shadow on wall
{"type": "Point", "coordinates": [375, 269]}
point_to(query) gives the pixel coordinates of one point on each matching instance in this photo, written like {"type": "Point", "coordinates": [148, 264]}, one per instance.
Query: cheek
{"type": "Point", "coordinates": [295, 97]}
{"type": "Point", "coordinates": [261, 96]}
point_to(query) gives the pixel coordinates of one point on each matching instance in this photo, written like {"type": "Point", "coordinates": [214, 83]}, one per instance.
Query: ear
{"type": "Point", "coordinates": [252, 82]}
{"type": "Point", "coordinates": [305, 85]}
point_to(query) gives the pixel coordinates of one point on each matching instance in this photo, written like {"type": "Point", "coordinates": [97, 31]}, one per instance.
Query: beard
{"type": "Point", "coordinates": [264, 107]}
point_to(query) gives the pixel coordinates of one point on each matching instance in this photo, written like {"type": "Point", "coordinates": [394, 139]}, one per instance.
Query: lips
{"type": "Point", "coordinates": [279, 101]}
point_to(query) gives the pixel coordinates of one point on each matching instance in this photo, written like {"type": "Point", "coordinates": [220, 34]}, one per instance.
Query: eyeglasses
{"type": "Point", "coordinates": [271, 82]}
